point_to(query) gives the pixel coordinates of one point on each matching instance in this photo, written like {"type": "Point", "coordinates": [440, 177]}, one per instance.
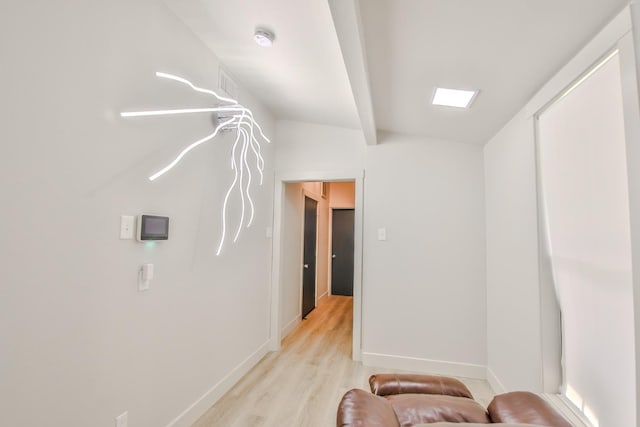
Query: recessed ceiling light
{"type": "Point", "coordinates": [453, 97]}
{"type": "Point", "coordinates": [264, 37]}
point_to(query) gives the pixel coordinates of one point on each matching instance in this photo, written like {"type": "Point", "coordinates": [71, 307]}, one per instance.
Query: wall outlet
{"type": "Point", "coordinates": [122, 419]}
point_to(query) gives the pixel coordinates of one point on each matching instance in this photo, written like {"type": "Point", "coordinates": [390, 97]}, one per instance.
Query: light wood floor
{"type": "Point", "coordinates": [301, 384]}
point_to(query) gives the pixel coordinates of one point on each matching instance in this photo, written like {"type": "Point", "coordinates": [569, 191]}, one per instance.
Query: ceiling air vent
{"type": "Point", "coordinates": [227, 86]}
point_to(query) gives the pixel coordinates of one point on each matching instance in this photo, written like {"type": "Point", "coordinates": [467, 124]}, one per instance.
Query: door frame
{"type": "Point", "coordinates": [275, 334]}
{"type": "Point", "coordinates": [314, 197]}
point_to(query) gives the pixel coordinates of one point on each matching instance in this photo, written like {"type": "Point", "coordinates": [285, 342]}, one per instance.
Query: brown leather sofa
{"type": "Point", "coordinates": [400, 400]}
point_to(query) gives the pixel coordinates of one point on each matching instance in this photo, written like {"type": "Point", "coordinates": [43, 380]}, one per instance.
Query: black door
{"type": "Point", "coordinates": [342, 252]}
{"type": "Point", "coordinates": [309, 258]}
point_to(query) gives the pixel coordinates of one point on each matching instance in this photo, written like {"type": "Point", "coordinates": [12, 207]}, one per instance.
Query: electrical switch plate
{"type": "Point", "coordinates": [122, 419]}
{"type": "Point", "coordinates": [143, 285]}
{"type": "Point", "coordinates": [127, 227]}
{"type": "Point", "coordinates": [145, 276]}
{"type": "Point", "coordinates": [382, 234]}
{"type": "Point", "coordinates": [147, 272]}
{"type": "Point", "coordinates": [269, 232]}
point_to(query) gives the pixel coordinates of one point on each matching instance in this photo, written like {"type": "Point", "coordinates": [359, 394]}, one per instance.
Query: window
{"type": "Point", "coordinates": [582, 166]}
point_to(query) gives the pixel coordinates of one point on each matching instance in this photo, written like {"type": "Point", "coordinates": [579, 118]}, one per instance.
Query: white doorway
{"type": "Point", "coordinates": [280, 260]}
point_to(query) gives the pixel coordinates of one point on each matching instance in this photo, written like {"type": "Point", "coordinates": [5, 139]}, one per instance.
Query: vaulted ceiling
{"type": "Point", "coordinates": [374, 64]}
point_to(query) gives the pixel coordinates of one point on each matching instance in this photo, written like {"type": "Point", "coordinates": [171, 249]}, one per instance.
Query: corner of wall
{"type": "Point", "coordinates": [494, 382]}
{"type": "Point", "coordinates": [211, 396]}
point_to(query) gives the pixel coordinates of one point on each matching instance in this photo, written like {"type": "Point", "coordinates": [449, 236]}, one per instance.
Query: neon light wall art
{"type": "Point", "coordinates": [246, 152]}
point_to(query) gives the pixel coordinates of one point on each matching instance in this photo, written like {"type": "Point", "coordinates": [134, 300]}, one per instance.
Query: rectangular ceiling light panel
{"type": "Point", "coordinates": [454, 97]}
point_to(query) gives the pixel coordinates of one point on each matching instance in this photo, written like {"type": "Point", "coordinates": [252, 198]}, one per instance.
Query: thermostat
{"type": "Point", "coordinates": [153, 227]}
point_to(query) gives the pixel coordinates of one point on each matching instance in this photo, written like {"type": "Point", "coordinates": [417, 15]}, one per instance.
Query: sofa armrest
{"type": "Point", "coordinates": [361, 408]}
{"type": "Point", "coordinates": [387, 384]}
{"type": "Point", "coordinates": [526, 408]}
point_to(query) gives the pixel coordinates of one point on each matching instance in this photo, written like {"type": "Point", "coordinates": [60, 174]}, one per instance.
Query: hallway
{"type": "Point", "coordinates": [302, 384]}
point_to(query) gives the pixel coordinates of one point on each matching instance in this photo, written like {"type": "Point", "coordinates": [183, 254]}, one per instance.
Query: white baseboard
{"type": "Point", "coordinates": [321, 297]}
{"type": "Point", "coordinates": [567, 409]}
{"type": "Point", "coordinates": [495, 383]}
{"type": "Point", "coordinates": [438, 367]}
{"type": "Point", "coordinates": [200, 406]}
{"type": "Point", "coordinates": [289, 327]}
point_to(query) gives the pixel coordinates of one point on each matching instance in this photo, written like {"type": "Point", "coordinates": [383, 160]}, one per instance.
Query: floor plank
{"type": "Point", "coordinates": [301, 384]}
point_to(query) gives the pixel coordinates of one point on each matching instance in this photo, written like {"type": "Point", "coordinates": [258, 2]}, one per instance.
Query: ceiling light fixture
{"type": "Point", "coordinates": [264, 37]}
{"type": "Point", "coordinates": [453, 97]}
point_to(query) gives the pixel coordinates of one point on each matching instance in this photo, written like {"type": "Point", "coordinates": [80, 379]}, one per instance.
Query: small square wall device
{"type": "Point", "coordinates": [153, 227]}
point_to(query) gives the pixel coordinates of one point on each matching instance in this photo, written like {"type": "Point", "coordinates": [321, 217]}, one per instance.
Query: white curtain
{"type": "Point", "coordinates": [586, 208]}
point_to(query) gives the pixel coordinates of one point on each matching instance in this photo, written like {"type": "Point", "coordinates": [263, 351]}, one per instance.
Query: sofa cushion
{"type": "Point", "coordinates": [524, 407]}
{"type": "Point", "coordinates": [414, 409]}
{"type": "Point", "coordinates": [359, 408]}
{"type": "Point", "coordinates": [386, 384]}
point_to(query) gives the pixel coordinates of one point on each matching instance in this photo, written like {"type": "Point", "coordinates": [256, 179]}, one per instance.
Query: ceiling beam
{"type": "Point", "coordinates": [348, 25]}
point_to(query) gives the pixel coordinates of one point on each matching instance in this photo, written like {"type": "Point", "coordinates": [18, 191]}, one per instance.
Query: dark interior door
{"type": "Point", "coordinates": [309, 258]}
{"type": "Point", "coordinates": [342, 252]}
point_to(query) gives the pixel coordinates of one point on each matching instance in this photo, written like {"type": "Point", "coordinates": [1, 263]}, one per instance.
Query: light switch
{"type": "Point", "coordinates": [382, 234]}
{"type": "Point", "coordinates": [269, 232]}
{"type": "Point", "coordinates": [127, 227]}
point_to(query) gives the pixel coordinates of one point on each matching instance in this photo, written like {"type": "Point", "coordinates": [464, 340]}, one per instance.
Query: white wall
{"type": "Point", "coordinates": [79, 344]}
{"type": "Point", "coordinates": [429, 195]}
{"type": "Point", "coordinates": [513, 301]}
{"type": "Point", "coordinates": [315, 148]}
{"type": "Point", "coordinates": [424, 287]}
{"type": "Point", "coordinates": [630, 85]}
{"type": "Point", "coordinates": [291, 267]}
{"type": "Point", "coordinates": [516, 272]}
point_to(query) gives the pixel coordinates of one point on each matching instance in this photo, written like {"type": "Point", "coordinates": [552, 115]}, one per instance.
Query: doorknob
{"type": "Point", "coordinates": [306, 266]}
{"type": "Point", "coordinates": [333, 256]}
